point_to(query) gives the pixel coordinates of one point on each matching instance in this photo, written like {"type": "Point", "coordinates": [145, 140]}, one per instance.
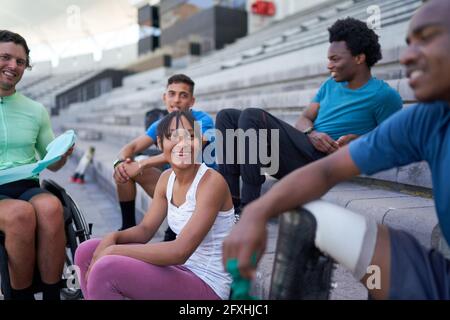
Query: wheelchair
{"type": "Point", "coordinates": [76, 230]}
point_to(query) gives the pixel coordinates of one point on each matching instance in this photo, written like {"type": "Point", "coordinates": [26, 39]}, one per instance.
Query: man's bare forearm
{"type": "Point", "coordinates": [303, 123]}
{"type": "Point", "coordinates": [155, 161]}
{"type": "Point", "coordinates": [128, 151]}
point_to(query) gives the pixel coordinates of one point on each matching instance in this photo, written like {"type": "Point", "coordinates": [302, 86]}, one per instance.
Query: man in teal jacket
{"type": "Point", "coordinates": [30, 217]}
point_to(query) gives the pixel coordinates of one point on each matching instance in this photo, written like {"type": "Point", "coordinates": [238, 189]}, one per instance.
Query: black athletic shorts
{"type": "Point", "coordinates": [21, 190]}
{"type": "Point", "coordinates": [417, 272]}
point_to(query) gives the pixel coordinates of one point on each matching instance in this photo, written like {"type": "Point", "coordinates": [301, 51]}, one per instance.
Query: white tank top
{"type": "Point", "coordinates": [206, 261]}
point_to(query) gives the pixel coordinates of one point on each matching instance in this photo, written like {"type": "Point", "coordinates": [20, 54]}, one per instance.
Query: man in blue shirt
{"type": "Point", "coordinates": [421, 132]}
{"type": "Point", "coordinates": [179, 95]}
{"type": "Point", "coordinates": [349, 104]}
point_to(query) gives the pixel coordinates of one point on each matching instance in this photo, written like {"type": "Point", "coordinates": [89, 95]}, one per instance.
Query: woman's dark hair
{"type": "Point", "coordinates": [358, 37]}
{"type": "Point", "coordinates": [163, 130]}
{"type": "Point", "coordinates": [8, 36]}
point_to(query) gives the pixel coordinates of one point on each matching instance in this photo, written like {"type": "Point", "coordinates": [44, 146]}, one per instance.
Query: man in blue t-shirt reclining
{"type": "Point", "coordinates": [349, 104]}
{"type": "Point", "coordinates": [420, 132]}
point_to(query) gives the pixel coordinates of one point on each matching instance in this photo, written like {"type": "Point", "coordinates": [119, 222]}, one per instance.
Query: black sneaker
{"type": "Point", "coordinates": [237, 214]}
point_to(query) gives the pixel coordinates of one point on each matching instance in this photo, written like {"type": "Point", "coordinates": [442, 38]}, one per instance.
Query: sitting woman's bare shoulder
{"type": "Point", "coordinates": [213, 179]}
{"type": "Point", "coordinates": [165, 174]}
{"type": "Point", "coordinates": [213, 189]}
{"type": "Point", "coordinates": [163, 180]}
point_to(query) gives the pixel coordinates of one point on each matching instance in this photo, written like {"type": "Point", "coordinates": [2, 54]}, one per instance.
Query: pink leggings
{"type": "Point", "coordinates": [118, 277]}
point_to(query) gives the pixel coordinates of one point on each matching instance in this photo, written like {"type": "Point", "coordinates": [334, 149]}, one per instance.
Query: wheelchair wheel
{"type": "Point", "coordinates": [77, 231]}
{"type": "Point", "coordinates": [70, 284]}
{"type": "Point", "coordinates": [4, 272]}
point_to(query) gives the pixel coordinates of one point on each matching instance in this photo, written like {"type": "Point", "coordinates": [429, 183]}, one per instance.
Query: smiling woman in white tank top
{"type": "Point", "coordinates": [198, 206]}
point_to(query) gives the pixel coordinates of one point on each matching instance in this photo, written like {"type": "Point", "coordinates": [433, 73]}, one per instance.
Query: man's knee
{"type": "Point", "coordinates": [226, 117]}
{"type": "Point", "coordinates": [47, 204]}
{"type": "Point", "coordinates": [251, 118]}
{"type": "Point", "coordinates": [49, 212]}
{"type": "Point", "coordinates": [19, 219]}
{"type": "Point", "coordinates": [127, 185]}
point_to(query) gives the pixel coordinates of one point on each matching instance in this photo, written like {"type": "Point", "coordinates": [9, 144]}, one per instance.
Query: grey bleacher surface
{"type": "Point", "coordinates": [31, 80]}
{"type": "Point", "coordinates": [278, 69]}
{"type": "Point", "coordinates": [45, 87]}
{"type": "Point", "coordinates": [280, 80]}
{"type": "Point", "coordinates": [300, 31]}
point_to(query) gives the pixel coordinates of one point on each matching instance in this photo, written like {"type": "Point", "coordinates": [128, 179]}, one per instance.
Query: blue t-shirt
{"type": "Point", "coordinates": [207, 127]}
{"type": "Point", "coordinates": [421, 132]}
{"type": "Point", "coordinates": [343, 111]}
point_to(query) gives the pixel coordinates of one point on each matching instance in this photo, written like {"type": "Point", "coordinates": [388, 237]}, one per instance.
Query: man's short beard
{"type": "Point", "coordinates": [6, 86]}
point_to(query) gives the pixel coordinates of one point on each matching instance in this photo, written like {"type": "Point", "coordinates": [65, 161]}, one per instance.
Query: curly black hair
{"type": "Point", "coordinates": [358, 37]}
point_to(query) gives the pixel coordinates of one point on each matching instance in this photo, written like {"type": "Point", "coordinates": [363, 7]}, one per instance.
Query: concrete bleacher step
{"type": "Point", "coordinates": [298, 79]}
{"type": "Point", "coordinates": [313, 31]}
{"type": "Point", "coordinates": [127, 97]}
{"type": "Point", "coordinates": [275, 90]}
{"type": "Point", "coordinates": [116, 134]}
{"type": "Point", "coordinates": [318, 18]}
{"type": "Point", "coordinates": [49, 86]}
{"type": "Point", "coordinates": [113, 127]}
